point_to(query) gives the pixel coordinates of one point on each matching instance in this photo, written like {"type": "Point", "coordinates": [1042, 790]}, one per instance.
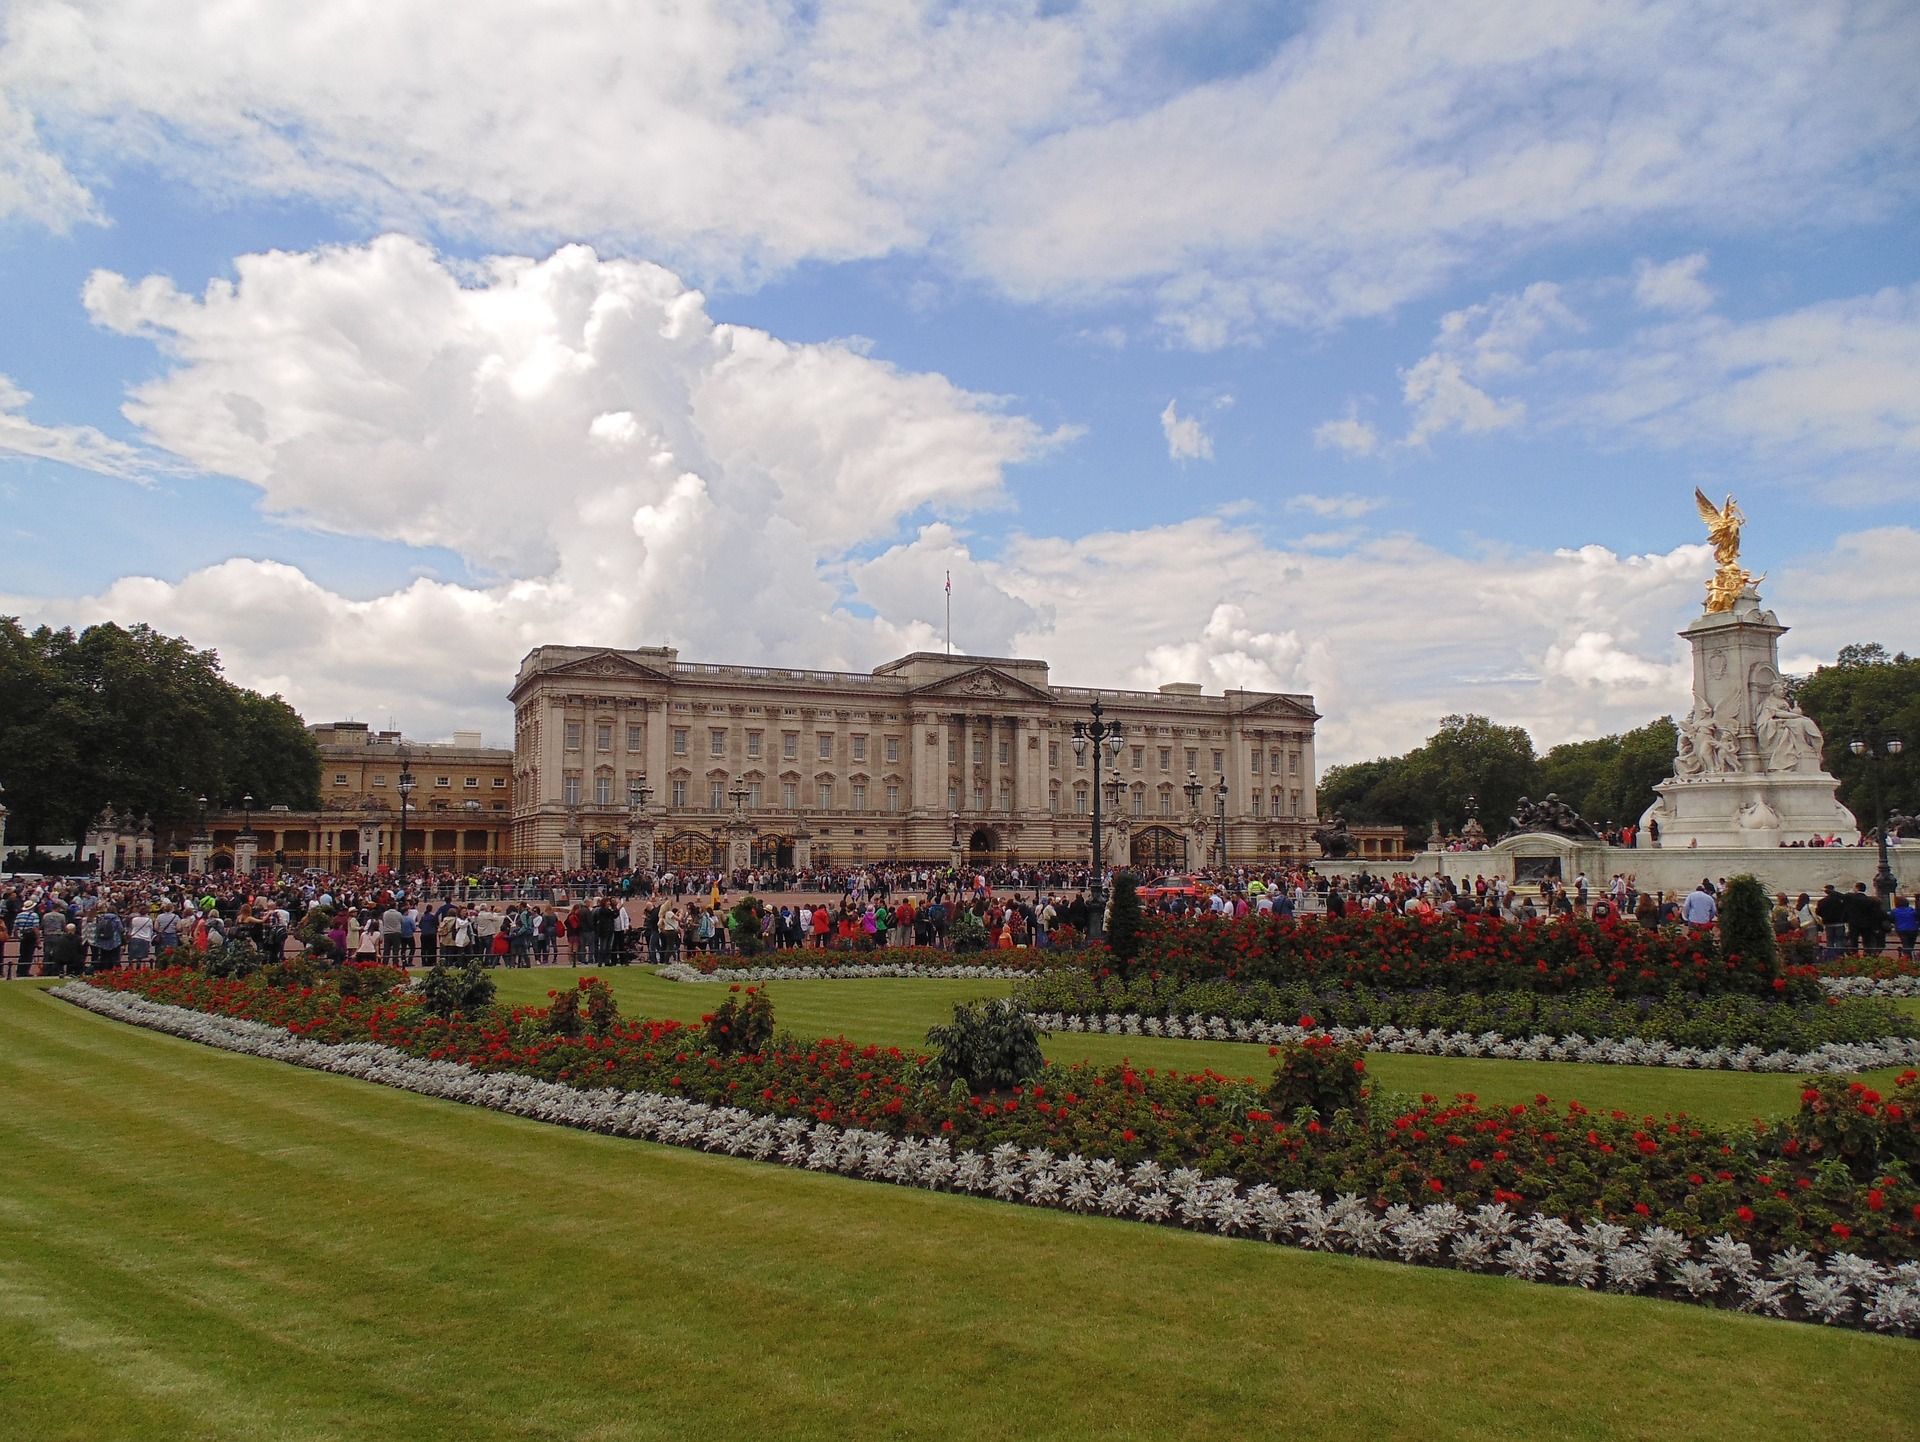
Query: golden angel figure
{"type": "Point", "coordinates": [1723, 533]}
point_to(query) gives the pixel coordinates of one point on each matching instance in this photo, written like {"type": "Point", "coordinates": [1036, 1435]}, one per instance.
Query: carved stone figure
{"type": "Point", "coordinates": [1789, 739]}
{"type": "Point", "coordinates": [1336, 842]}
{"type": "Point", "coordinates": [1689, 758]}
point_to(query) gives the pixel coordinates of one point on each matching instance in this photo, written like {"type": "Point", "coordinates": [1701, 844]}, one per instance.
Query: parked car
{"type": "Point", "coordinates": [1168, 887]}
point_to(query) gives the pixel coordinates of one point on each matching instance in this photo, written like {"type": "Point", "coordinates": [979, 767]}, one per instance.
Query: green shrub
{"type": "Point", "coordinates": [968, 932]}
{"type": "Point", "coordinates": [988, 1045]}
{"type": "Point", "coordinates": [742, 1025]}
{"type": "Point", "coordinates": [1746, 925]}
{"type": "Point", "coordinates": [744, 923]}
{"type": "Point", "coordinates": [1124, 920]}
{"type": "Point", "coordinates": [232, 960]}
{"type": "Point", "coordinates": [464, 990]}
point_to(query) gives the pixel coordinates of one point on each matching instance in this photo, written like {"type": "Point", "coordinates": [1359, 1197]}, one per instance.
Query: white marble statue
{"type": "Point", "coordinates": [1706, 747]}
{"type": "Point", "coordinates": [1789, 739]}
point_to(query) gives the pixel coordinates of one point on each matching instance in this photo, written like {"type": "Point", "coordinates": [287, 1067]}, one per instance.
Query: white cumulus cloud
{"type": "Point", "coordinates": [1187, 439]}
{"type": "Point", "coordinates": [82, 446]}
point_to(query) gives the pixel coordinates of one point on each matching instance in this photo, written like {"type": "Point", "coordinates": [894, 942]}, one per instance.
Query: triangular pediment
{"type": "Point", "coordinates": [1295, 709]}
{"type": "Point", "coordinates": [608, 665]}
{"type": "Point", "coordinates": [982, 683]}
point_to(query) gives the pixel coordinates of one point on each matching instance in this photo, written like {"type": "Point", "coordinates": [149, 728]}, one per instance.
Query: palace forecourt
{"type": "Point", "coordinates": [635, 757]}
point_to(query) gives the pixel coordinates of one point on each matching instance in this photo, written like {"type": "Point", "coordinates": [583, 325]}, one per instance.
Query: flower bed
{"type": "Point", "coordinates": [822, 960]}
{"type": "Point", "coordinates": [1836, 1237]}
{"type": "Point", "coordinates": [1393, 952]}
{"type": "Point", "coordinates": [1838, 1058]}
{"type": "Point", "coordinates": [1729, 1022]}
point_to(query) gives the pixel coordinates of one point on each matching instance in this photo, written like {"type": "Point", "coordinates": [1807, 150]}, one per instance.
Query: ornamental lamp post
{"type": "Point", "coordinates": [406, 791]}
{"type": "Point", "coordinates": [1874, 752]}
{"type": "Point", "coordinates": [1220, 797]}
{"type": "Point", "coordinates": [1097, 733]}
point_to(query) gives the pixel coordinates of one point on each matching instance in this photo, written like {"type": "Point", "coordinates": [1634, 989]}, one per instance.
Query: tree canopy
{"type": "Point", "coordinates": [1869, 694]}
{"type": "Point", "coordinates": [1467, 756]}
{"type": "Point", "coordinates": [143, 722]}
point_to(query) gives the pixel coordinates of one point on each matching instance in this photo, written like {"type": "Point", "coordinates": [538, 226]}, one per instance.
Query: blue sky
{"type": "Point", "coordinates": [1348, 348]}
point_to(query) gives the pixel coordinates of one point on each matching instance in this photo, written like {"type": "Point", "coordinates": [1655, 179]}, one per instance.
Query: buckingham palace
{"type": "Point", "coordinates": [637, 758]}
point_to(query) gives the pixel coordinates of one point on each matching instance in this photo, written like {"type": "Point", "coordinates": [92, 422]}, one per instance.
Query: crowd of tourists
{"type": "Point", "coordinates": [62, 926]}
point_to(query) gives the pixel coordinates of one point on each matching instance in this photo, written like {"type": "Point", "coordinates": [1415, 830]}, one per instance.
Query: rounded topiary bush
{"type": "Point", "coordinates": [989, 1046]}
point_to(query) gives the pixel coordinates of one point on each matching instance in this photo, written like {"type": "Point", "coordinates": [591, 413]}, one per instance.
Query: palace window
{"type": "Point", "coordinates": [716, 741]}
{"type": "Point", "coordinates": [716, 794]}
{"type": "Point", "coordinates": [339, 778]}
{"type": "Point", "coordinates": [1166, 758]}
{"type": "Point", "coordinates": [859, 748]}
{"type": "Point", "coordinates": [443, 781]}
{"type": "Point", "coordinates": [603, 736]}
{"type": "Point", "coordinates": [499, 783]}
{"type": "Point", "coordinates": [1293, 803]}
{"type": "Point", "coordinates": [790, 795]}
{"type": "Point", "coordinates": [1166, 801]}
{"type": "Point", "coordinates": [979, 748]}
{"type": "Point", "coordinates": [1053, 753]}
{"type": "Point", "coordinates": [472, 782]}
{"type": "Point", "coordinates": [603, 791]}
{"type": "Point", "coordinates": [1080, 799]}
{"type": "Point", "coordinates": [979, 796]}
{"type": "Point", "coordinates": [893, 798]}
{"type": "Point", "coordinates": [953, 750]}
{"type": "Point", "coordinates": [859, 796]}
{"type": "Point", "coordinates": [570, 791]}
{"type": "Point", "coordinates": [1273, 763]}
{"type": "Point", "coordinates": [679, 741]}
{"type": "Point", "coordinates": [1256, 803]}
{"type": "Point", "coordinates": [953, 796]}
{"type": "Point", "coordinates": [1256, 763]}
{"type": "Point", "coordinates": [1053, 796]}
{"type": "Point", "coordinates": [825, 792]}
{"type": "Point", "coordinates": [893, 750]}
{"type": "Point", "coordinates": [1193, 759]}
{"type": "Point", "coordinates": [826, 746]}
{"type": "Point", "coordinates": [1006, 752]}
{"type": "Point", "coordinates": [573, 736]}
{"type": "Point", "coordinates": [753, 745]}
{"type": "Point", "coordinates": [679, 793]}
{"type": "Point", "coordinates": [753, 795]}
{"type": "Point", "coordinates": [1139, 801]}
{"type": "Point", "coordinates": [1139, 758]}
{"type": "Point", "coordinates": [1219, 763]}
{"type": "Point", "coordinates": [633, 737]}
{"type": "Point", "coordinates": [380, 781]}
{"type": "Point", "coordinates": [1293, 763]}
{"type": "Point", "coordinates": [1006, 796]}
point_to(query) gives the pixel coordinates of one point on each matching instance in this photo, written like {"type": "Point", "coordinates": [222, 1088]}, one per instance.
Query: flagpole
{"type": "Point", "coordinates": [949, 613]}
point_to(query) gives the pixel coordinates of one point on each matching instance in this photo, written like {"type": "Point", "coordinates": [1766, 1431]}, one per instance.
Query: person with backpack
{"type": "Point", "coordinates": [108, 933]}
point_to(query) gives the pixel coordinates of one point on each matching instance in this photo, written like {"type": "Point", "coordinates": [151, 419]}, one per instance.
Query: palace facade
{"type": "Point", "coordinates": [635, 757]}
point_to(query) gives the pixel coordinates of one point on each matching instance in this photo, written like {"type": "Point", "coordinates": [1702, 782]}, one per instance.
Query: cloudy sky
{"type": "Point", "coordinates": [1369, 348]}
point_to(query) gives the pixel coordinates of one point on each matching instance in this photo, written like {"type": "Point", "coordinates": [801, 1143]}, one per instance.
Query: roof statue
{"type": "Point", "coordinates": [1723, 534]}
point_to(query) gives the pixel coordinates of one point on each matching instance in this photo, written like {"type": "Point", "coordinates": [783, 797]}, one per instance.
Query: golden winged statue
{"type": "Point", "coordinates": [1723, 534]}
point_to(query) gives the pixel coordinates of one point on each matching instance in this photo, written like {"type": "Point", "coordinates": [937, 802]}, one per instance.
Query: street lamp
{"type": "Point", "coordinates": [406, 790]}
{"type": "Point", "coordinates": [638, 792]}
{"type": "Point", "coordinates": [737, 794]}
{"type": "Point", "coordinates": [1220, 796]}
{"type": "Point", "coordinates": [1097, 733]}
{"type": "Point", "coordinates": [1874, 753]}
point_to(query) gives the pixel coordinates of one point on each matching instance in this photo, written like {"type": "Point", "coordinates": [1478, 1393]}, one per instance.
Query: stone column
{"type": "Point", "coordinates": [199, 853]}
{"type": "Point", "coordinates": [802, 846]}
{"type": "Point", "coordinates": [640, 840]}
{"type": "Point", "coordinates": [246, 853]}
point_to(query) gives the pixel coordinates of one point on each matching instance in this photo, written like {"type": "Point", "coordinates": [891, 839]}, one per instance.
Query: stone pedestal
{"type": "Point", "coordinates": [739, 846]}
{"type": "Point", "coordinates": [1748, 774]}
{"type": "Point", "coordinates": [640, 842]}
{"type": "Point", "coordinates": [802, 848]}
{"type": "Point", "coordinates": [246, 853]}
{"type": "Point", "coordinates": [199, 853]}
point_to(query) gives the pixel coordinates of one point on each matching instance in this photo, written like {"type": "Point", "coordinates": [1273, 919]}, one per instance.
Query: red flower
{"type": "Point", "coordinates": [1745, 1214]}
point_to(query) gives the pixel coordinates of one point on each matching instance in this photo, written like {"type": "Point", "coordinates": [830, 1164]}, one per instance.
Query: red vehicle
{"type": "Point", "coordinates": [1168, 887]}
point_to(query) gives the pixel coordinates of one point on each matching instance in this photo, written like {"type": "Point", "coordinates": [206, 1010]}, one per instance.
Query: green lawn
{"type": "Point", "coordinates": [196, 1244]}
{"type": "Point", "coordinates": [897, 1011]}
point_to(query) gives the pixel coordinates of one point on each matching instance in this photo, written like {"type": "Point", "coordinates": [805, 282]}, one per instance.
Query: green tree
{"type": "Point", "coordinates": [1467, 756]}
{"type": "Point", "coordinates": [1868, 693]}
{"type": "Point", "coordinates": [127, 717]}
{"type": "Point", "coordinates": [1610, 780]}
